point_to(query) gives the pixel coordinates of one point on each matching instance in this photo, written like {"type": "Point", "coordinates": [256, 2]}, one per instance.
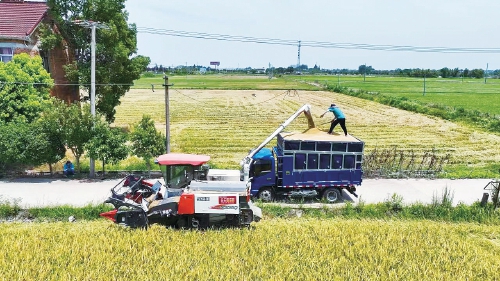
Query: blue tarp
{"type": "Point", "coordinates": [264, 153]}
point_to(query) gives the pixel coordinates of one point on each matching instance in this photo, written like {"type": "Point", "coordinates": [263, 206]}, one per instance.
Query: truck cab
{"type": "Point", "coordinates": [262, 175]}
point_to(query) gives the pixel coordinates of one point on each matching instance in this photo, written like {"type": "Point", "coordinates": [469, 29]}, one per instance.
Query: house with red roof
{"type": "Point", "coordinates": [20, 23]}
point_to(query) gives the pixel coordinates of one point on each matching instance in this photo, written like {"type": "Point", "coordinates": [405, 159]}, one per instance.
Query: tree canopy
{"type": "Point", "coordinates": [24, 88]}
{"type": "Point", "coordinates": [116, 65]}
{"type": "Point", "coordinates": [107, 144]}
{"type": "Point", "coordinates": [147, 142]}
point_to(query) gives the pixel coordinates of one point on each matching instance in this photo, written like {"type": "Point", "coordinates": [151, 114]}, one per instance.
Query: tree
{"type": "Point", "coordinates": [107, 144]}
{"type": "Point", "coordinates": [477, 73]}
{"type": "Point", "coordinates": [147, 142]}
{"type": "Point", "coordinates": [444, 72]}
{"type": "Point", "coordinates": [455, 72]}
{"type": "Point", "coordinates": [363, 69]}
{"type": "Point", "coordinates": [27, 144]}
{"type": "Point", "coordinates": [25, 89]}
{"type": "Point", "coordinates": [116, 69]}
{"type": "Point", "coordinates": [77, 123]}
{"type": "Point", "coordinates": [12, 136]}
{"type": "Point", "coordinates": [52, 127]}
{"type": "Point", "coordinates": [466, 73]}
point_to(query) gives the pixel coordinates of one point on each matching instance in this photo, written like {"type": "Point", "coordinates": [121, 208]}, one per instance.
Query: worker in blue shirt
{"type": "Point", "coordinates": [339, 118]}
{"type": "Point", "coordinates": [69, 169]}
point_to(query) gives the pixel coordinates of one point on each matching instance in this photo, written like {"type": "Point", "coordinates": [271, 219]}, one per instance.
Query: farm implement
{"type": "Point", "coordinates": [138, 203]}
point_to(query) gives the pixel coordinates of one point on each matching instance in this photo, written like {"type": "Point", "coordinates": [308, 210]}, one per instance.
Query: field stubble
{"type": "Point", "coordinates": [226, 124]}
{"type": "Point", "coordinates": [274, 249]}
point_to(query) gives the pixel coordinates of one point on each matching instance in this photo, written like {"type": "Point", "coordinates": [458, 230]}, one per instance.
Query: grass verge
{"type": "Point", "coordinates": [392, 208]}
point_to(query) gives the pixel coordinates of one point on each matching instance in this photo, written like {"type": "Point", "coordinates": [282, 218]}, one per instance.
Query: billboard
{"type": "Point", "coordinates": [217, 63]}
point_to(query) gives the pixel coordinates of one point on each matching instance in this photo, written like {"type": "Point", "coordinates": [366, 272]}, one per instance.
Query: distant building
{"type": "Point", "coordinates": [19, 29]}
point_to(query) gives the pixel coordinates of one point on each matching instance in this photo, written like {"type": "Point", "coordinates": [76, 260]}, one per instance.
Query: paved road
{"type": "Point", "coordinates": [34, 192]}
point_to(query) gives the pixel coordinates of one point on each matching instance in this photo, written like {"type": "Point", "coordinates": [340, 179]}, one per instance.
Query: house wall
{"type": "Point", "coordinates": [57, 57]}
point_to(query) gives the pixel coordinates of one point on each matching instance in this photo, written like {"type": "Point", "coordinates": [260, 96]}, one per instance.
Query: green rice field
{"type": "Point", "coordinates": [469, 93]}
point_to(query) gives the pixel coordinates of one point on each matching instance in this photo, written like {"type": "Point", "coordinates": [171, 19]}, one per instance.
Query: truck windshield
{"type": "Point", "coordinates": [260, 167]}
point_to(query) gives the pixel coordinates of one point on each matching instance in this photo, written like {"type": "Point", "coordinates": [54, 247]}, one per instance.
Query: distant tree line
{"type": "Point", "coordinates": [444, 72]}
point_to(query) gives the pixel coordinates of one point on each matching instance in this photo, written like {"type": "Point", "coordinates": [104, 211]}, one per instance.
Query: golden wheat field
{"type": "Point", "coordinates": [274, 249]}
{"type": "Point", "coordinates": [226, 124]}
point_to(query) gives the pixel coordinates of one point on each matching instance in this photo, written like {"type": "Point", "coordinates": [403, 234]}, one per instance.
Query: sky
{"type": "Point", "coordinates": [414, 23]}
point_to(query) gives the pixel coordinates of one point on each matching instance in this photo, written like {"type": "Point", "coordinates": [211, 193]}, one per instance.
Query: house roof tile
{"type": "Point", "coordinates": [19, 19]}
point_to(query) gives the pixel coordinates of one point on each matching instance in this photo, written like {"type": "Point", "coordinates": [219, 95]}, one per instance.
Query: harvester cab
{"type": "Point", "coordinates": [179, 170]}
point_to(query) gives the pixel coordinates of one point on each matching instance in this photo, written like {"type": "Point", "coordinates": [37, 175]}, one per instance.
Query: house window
{"type": "Point", "coordinates": [45, 60]}
{"type": "Point", "coordinates": [6, 54]}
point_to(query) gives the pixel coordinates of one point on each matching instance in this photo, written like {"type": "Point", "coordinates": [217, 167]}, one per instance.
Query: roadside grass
{"type": "Point", "coordinates": [391, 209]}
{"type": "Point", "coordinates": [62, 213]}
{"type": "Point", "coordinates": [11, 210]}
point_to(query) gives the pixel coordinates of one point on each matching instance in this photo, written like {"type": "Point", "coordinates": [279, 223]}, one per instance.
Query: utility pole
{"type": "Point", "coordinates": [485, 73]}
{"type": "Point", "coordinates": [364, 74]}
{"type": "Point", "coordinates": [298, 58]}
{"type": "Point", "coordinates": [92, 25]}
{"type": "Point", "coordinates": [424, 85]}
{"type": "Point", "coordinates": [167, 115]}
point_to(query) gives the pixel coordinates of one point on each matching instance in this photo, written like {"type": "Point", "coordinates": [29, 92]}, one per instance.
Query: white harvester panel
{"type": "Point", "coordinates": [217, 204]}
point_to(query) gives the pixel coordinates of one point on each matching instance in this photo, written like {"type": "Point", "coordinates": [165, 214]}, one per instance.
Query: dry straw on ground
{"type": "Point", "coordinates": [226, 124]}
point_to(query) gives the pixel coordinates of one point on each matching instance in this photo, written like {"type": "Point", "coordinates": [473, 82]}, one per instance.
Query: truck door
{"type": "Point", "coordinates": [262, 171]}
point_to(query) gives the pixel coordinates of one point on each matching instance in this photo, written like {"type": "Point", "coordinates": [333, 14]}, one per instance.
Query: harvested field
{"type": "Point", "coordinates": [226, 124]}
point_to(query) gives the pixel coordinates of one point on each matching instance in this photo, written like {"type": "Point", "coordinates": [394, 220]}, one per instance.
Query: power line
{"type": "Point", "coordinates": [314, 44]}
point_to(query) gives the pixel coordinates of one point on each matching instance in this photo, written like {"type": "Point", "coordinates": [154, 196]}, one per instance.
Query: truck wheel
{"type": "Point", "coordinates": [266, 194]}
{"type": "Point", "coordinates": [332, 195]}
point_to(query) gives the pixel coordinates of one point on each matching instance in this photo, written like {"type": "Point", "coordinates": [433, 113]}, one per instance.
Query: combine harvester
{"type": "Point", "coordinates": [139, 203]}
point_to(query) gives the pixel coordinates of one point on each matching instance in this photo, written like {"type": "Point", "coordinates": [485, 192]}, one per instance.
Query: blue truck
{"type": "Point", "coordinates": [307, 164]}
